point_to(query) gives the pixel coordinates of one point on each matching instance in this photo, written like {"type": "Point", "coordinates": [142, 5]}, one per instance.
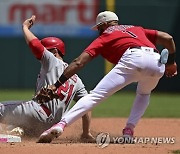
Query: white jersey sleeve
{"type": "Point", "coordinates": [81, 91]}
{"type": "Point", "coordinates": [51, 69]}
{"type": "Point", "coordinates": [48, 60]}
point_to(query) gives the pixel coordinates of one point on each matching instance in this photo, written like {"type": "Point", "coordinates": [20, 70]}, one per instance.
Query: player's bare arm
{"type": "Point", "coordinates": [72, 69]}
{"type": "Point", "coordinates": [167, 41]}
{"type": "Point", "coordinates": [33, 42]}
{"type": "Point", "coordinates": [77, 64]}
{"type": "Point", "coordinates": [29, 36]}
{"type": "Point", "coordinates": [86, 121]}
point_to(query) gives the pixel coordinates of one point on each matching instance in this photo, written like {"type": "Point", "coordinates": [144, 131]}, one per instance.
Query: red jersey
{"type": "Point", "coordinates": [115, 40]}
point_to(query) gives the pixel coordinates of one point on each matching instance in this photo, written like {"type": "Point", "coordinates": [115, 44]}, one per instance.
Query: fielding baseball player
{"type": "Point", "coordinates": [35, 116]}
{"type": "Point", "coordinates": [133, 51]}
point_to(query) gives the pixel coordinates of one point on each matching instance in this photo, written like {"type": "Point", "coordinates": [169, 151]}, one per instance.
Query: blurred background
{"type": "Point", "coordinates": [71, 21]}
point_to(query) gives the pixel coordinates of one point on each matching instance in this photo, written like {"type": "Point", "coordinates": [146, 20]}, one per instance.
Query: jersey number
{"type": "Point", "coordinates": [65, 89]}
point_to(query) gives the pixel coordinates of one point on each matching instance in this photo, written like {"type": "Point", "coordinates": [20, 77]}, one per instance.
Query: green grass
{"type": "Point", "coordinates": [176, 151]}
{"type": "Point", "coordinates": [7, 94]}
{"type": "Point", "coordinates": [119, 105]}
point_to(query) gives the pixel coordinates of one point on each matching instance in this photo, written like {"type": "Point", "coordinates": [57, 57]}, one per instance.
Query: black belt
{"type": "Point", "coordinates": [139, 47]}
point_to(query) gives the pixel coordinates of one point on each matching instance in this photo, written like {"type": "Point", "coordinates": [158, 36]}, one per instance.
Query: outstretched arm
{"type": "Point", "coordinates": [29, 36]}
{"type": "Point", "coordinates": [77, 64]}
{"type": "Point", "coordinates": [167, 41]}
{"type": "Point", "coordinates": [73, 68]}
{"type": "Point", "coordinates": [33, 42]}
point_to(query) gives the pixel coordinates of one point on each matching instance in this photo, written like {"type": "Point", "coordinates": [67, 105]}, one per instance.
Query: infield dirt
{"type": "Point", "coordinates": [70, 143]}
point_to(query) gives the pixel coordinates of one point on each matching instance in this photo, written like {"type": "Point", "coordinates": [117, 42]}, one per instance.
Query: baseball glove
{"type": "Point", "coordinates": [45, 95]}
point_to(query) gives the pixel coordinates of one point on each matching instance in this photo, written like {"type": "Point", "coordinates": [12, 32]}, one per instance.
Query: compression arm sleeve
{"type": "Point", "coordinates": [37, 48]}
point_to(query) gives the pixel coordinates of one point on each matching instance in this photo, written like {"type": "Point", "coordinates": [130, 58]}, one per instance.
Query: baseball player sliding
{"type": "Point", "coordinates": [34, 116]}
{"type": "Point", "coordinates": [133, 51]}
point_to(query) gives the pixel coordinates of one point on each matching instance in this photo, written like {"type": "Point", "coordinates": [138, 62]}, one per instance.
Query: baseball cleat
{"type": "Point", "coordinates": [48, 135]}
{"type": "Point", "coordinates": [128, 136]}
{"type": "Point", "coordinates": [127, 132]}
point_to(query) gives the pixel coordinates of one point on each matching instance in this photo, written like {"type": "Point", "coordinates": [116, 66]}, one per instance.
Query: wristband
{"type": "Point", "coordinates": [57, 84]}
{"type": "Point", "coordinates": [61, 81]}
{"type": "Point", "coordinates": [171, 58]}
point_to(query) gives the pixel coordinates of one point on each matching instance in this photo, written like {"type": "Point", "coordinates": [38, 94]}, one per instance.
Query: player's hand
{"type": "Point", "coordinates": [171, 70]}
{"type": "Point", "coordinates": [29, 22]}
{"type": "Point", "coordinates": [87, 137]}
{"type": "Point", "coordinates": [52, 87]}
{"type": "Point", "coordinates": [46, 95]}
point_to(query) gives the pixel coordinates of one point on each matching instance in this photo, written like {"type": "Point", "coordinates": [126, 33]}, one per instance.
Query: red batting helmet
{"type": "Point", "coordinates": [54, 43]}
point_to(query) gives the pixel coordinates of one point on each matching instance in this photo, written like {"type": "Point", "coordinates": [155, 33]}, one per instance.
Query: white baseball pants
{"type": "Point", "coordinates": [136, 65]}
